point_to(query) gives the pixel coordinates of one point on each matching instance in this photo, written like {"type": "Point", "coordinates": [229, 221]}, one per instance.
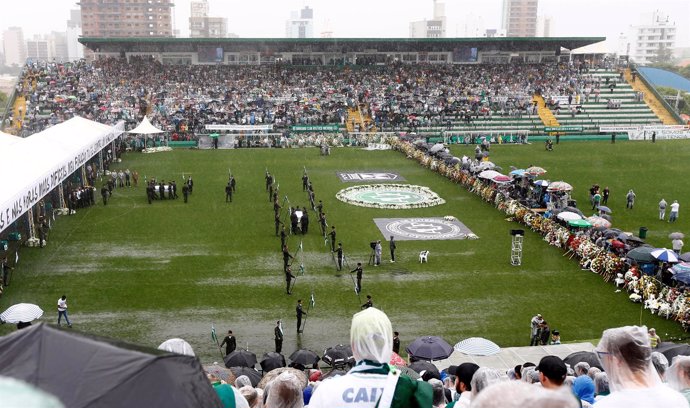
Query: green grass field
{"type": "Point", "coordinates": [145, 273]}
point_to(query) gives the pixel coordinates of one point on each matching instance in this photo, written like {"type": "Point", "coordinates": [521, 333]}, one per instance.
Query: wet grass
{"type": "Point", "coordinates": [145, 273]}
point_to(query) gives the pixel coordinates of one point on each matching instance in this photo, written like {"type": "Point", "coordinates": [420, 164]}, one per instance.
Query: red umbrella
{"type": "Point", "coordinates": [617, 244]}
{"type": "Point", "coordinates": [397, 360]}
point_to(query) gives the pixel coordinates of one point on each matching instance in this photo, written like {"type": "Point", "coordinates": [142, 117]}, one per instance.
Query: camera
{"type": "Point", "coordinates": [372, 244]}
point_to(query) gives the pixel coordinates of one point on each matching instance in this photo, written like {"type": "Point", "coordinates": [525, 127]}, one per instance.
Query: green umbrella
{"type": "Point", "coordinates": [580, 223]}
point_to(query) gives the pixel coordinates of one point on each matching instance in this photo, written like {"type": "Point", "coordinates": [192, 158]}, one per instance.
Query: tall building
{"type": "Point", "coordinates": [75, 50]}
{"type": "Point", "coordinates": [14, 46]}
{"type": "Point", "coordinates": [434, 28]}
{"type": "Point", "coordinates": [37, 49]}
{"type": "Point", "coordinates": [203, 26]}
{"type": "Point", "coordinates": [126, 18]}
{"type": "Point", "coordinates": [520, 17]}
{"type": "Point", "coordinates": [653, 41]}
{"type": "Point", "coordinates": [300, 24]}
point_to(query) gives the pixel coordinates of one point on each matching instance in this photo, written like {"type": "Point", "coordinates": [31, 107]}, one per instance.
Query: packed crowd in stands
{"type": "Point", "coordinates": [182, 99]}
{"type": "Point", "coordinates": [627, 372]}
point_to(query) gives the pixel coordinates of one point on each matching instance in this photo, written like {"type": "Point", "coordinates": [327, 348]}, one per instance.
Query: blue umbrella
{"type": "Point", "coordinates": [517, 172]}
{"type": "Point", "coordinates": [665, 255]}
{"type": "Point", "coordinates": [541, 183]}
{"type": "Point", "coordinates": [682, 277]}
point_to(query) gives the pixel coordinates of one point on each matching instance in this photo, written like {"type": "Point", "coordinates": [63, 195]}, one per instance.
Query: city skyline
{"type": "Point", "coordinates": [372, 19]}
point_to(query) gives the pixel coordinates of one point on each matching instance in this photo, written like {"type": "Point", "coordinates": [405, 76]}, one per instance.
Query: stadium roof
{"type": "Point", "coordinates": [383, 44]}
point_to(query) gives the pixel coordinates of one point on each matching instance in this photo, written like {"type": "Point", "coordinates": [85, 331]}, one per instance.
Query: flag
{"type": "Point", "coordinates": [16, 257]}
{"type": "Point", "coordinates": [312, 301]}
{"type": "Point", "coordinates": [280, 326]}
{"type": "Point", "coordinates": [213, 334]}
{"type": "Point", "coordinates": [300, 245]}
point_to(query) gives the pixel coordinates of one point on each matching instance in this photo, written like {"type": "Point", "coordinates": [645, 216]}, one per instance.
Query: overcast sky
{"type": "Point", "coordinates": [380, 18]}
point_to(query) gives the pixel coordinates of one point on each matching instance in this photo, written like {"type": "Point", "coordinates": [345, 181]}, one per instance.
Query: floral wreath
{"type": "Point", "coordinates": [349, 195]}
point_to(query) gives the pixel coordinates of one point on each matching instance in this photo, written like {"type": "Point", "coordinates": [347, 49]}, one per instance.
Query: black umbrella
{"type": "Point", "coordinates": [671, 350]}
{"type": "Point", "coordinates": [240, 358]}
{"type": "Point", "coordinates": [642, 254]}
{"type": "Point", "coordinates": [271, 361]}
{"type": "Point", "coordinates": [429, 348]}
{"type": "Point", "coordinates": [253, 375]}
{"type": "Point", "coordinates": [575, 210]}
{"type": "Point", "coordinates": [338, 356]}
{"type": "Point", "coordinates": [425, 369]}
{"type": "Point", "coordinates": [632, 238]}
{"type": "Point", "coordinates": [588, 357]}
{"type": "Point", "coordinates": [685, 256]}
{"type": "Point", "coordinates": [304, 357]}
{"type": "Point", "coordinates": [409, 372]}
{"type": "Point", "coordinates": [612, 232]}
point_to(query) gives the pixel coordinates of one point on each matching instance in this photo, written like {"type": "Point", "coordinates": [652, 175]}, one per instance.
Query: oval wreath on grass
{"type": "Point", "coordinates": [390, 196]}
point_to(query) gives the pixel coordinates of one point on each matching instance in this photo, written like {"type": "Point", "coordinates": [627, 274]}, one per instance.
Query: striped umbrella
{"type": "Point", "coordinates": [21, 312]}
{"type": "Point", "coordinates": [477, 346]}
{"type": "Point", "coordinates": [665, 255]}
{"type": "Point", "coordinates": [535, 171]}
{"type": "Point", "coordinates": [683, 267]}
{"type": "Point", "coordinates": [599, 222]}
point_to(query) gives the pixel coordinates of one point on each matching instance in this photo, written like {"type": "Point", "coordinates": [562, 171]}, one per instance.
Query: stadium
{"type": "Point", "coordinates": [141, 184]}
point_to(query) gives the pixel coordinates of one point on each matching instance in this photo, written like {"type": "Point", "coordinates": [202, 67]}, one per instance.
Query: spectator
{"type": "Point", "coordinates": [251, 395]}
{"type": "Point", "coordinates": [581, 368]}
{"type": "Point", "coordinates": [552, 372]}
{"type": "Point", "coordinates": [483, 378]}
{"type": "Point", "coordinates": [679, 375]}
{"type": "Point", "coordinates": [674, 211]}
{"type": "Point", "coordinates": [626, 355]}
{"type": "Point", "coordinates": [515, 394]}
{"type": "Point", "coordinates": [439, 396]}
{"type": "Point", "coordinates": [660, 363]}
{"type": "Point", "coordinates": [583, 388]}
{"type": "Point", "coordinates": [463, 383]}
{"type": "Point", "coordinates": [592, 372]}
{"type": "Point", "coordinates": [371, 338]}
{"type": "Point", "coordinates": [601, 386]}
{"type": "Point", "coordinates": [228, 395]}
{"type": "Point", "coordinates": [654, 339]}
{"type": "Point", "coordinates": [285, 392]}
{"type": "Point", "coordinates": [630, 199]}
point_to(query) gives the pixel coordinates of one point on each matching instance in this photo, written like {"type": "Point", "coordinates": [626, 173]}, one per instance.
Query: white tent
{"type": "Point", "coordinates": [33, 167]}
{"type": "Point", "coordinates": [145, 128]}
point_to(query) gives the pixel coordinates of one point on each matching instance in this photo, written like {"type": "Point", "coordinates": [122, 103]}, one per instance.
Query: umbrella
{"type": "Point", "coordinates": [604, 208]}
{"type": "Point", "coordinates": [568, 216]}
{"type": "Point", "coordinates": [641, 254]}
{"type": "Point", "coordinates": [408, 372]}
{"type": "Point", "coordinates": [221, 372]}
{"type": "Point", "coordinates": [338, 355]}
{"type": "Point", "coordinates": [488, 174]}
{"type": "Point", "coordinates": [535, 171]}
{"type": "Point", "coordinates": [676, 235]}
{"type": "Point", "coordinates": [599, 222]}
{"type": "Point", "coordinates": [254, 376]}
{"type": "Point", "coordinates": [436, 148]}
{"type": "Point", "coordinates": [579, 223]}
{"type": "Point", "coordinates": [617, 244]}
{"type": "Point", "coordinates": [240, 358]}
{"type": "Point", "coordinates": [178, 346]}
{"type": "Point", "coordinates": [575, 210]}
{"type": "Point", "coordinates": [612, 233]}
{"type": "Point", "coordinates": [665, 255]}
{"type": "Point", "coordinates": [272, 360]}
{"type": "Point", "coordinates": [541, 183]}
{"type": "Point", "coordinates": [671, 350]}
{"type": "Point", "coordinates": [333, 374]}
{"type": "Point", "coordinates": [486, 165]}
{"type": "Point", "coordinates": [607, 217]}
{"type": "Point", "coordinates": [517, 172]}
{"type": "Point", "coordinates": [634, 239]}
{"type": "Point", "coordinates": [685, 256]}
{"type": "Point", "coordinates": [683, 267]}
{"type": "Point", "coordinates": [501, 179]}
{"type": "Point", "coordinates": [477, 346]}
{"type": "Point", "coordinates": [422, 367]}
{"type": "Point", "coordinates": [583, 356]}
{"type": "Point", "coordinates": [304, 357]}
{"type": "Point", "coordinates": [683, 277]}
{"type": "Point", "coordinates": [559, 186]}
{"type": "Point", "coordinates": [268, 377]}
{"type": "Point", "coordinates": [429, 348]}
{"type": "Point", "coordinates": [21, 312]}
{"type": "Point", "coordinates": [396, 360]}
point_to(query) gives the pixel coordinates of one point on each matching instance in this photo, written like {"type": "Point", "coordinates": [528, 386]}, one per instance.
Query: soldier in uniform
{"type": "Point", "coordinates": [283, 237]}
{"type": "Point", "coordinates": [288, 279]}
{"type": "Point", "coordinates": [278, 332]}
{"type": "Point", "coordinates": [185, 192]}
{"type": "Point", "coordinates": [173, 189]}
{"type": "Point", "coordinates": [229, 342]}
{"type": "Point", "coordinates": [323, 223]}
{"type": "Point", "coordinates": [270, 192]}
{"type": "Point", "coordinates": [340, 256]}
{"type": "Point", "coordinates": [305, 220]}
{"type": "Point", "coordinates": [190, 184]}
{"type": "Point", "coordinates": [311, 200]}
{"type": "Point", "coordinates": [104, 194]}
{"type": "Point", "coordinates": [233, 183]}
{"type": "Point", "coordinates": [293, 222]}
{"type": "Point", "coordinates": [305, 182]}
{"type": "Point", "coordinates": [161, 190]}
{"type": "Point", "coordinates": [332, 235]}
{"type": "Point", "coordinates": [368, 303]}
{"type": "Point", "coordinates": [359, 271]}
{"type": "Point", "coordinates": [269, 180]}
{"type": "Point", "coordinates": [319, 207]}
{"type": "Point", "coordinates": [299, 312]}
{"type": "Point", "coordinates": [277, 221]}
{"type": "Point", "coordinates": [228, 193]}
{"type": "Point", "coordinates": [286, 257]}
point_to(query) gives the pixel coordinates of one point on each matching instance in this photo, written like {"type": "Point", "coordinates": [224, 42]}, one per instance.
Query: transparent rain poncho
{"type": "Point", "coordinates": [626, 354]}
{"type": "Point", "coordinates": [483, 378]}
{"type": "Point", "coordinates": [371, 336]}
{"type": "Point", "coordinates": [678, 375]}
{"type": "Point", "coordinates": [285, 392]}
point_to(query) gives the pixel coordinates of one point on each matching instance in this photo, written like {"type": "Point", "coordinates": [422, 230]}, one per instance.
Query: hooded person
{"type": "Point", "coordinates": [285, 392]}
{"type": "Point", "coordinates": [372, 383]}
{"type": "Point", "coordinates": [678, 375]}
{"type": "Point", "coordinates": [626, 354]}
{"type": "Point", "coordinates": [583, 388]}
{"type": "Point", "coordinates": [518, 394]}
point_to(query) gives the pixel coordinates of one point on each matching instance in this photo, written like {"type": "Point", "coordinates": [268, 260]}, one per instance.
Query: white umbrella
{"type": "Point", "coordinates": [21, 312]}
{"type": "Point", "coordinates": [477, 346]}
{"type": "Point", "coordinates": [599, 221]}
{"type": "Point", "coordinates": [569, 216]}
{"type": "Point", "coordinates": [559, 186]}
{"type": "Point", "coordinates": [436, 148]}
{"type": "Point", "coordinates": [178, 346]}
{"type": "Point", "coordinates": [488, 174]}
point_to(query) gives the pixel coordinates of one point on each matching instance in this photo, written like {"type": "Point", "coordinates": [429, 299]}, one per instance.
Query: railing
{"type": "Point", "coordinates": [10, 104]}
{"type": "Point", "coordinates": [661, 99]}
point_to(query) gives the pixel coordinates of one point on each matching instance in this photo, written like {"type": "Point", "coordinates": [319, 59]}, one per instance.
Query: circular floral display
{"type": "Point", "coordinates": [394, 196]}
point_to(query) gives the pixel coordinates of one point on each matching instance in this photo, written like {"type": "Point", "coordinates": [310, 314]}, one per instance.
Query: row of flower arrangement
{"type": "Point", "coordinates": [660, 299]}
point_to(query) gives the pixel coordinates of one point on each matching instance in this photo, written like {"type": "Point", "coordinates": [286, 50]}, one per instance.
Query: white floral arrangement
{"type": "Point", "coordinates": [449, 218]}
{"type": "Point", "coordinates": [350, 195]}
{"type": "Point", "coordinates": [157, 149]}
